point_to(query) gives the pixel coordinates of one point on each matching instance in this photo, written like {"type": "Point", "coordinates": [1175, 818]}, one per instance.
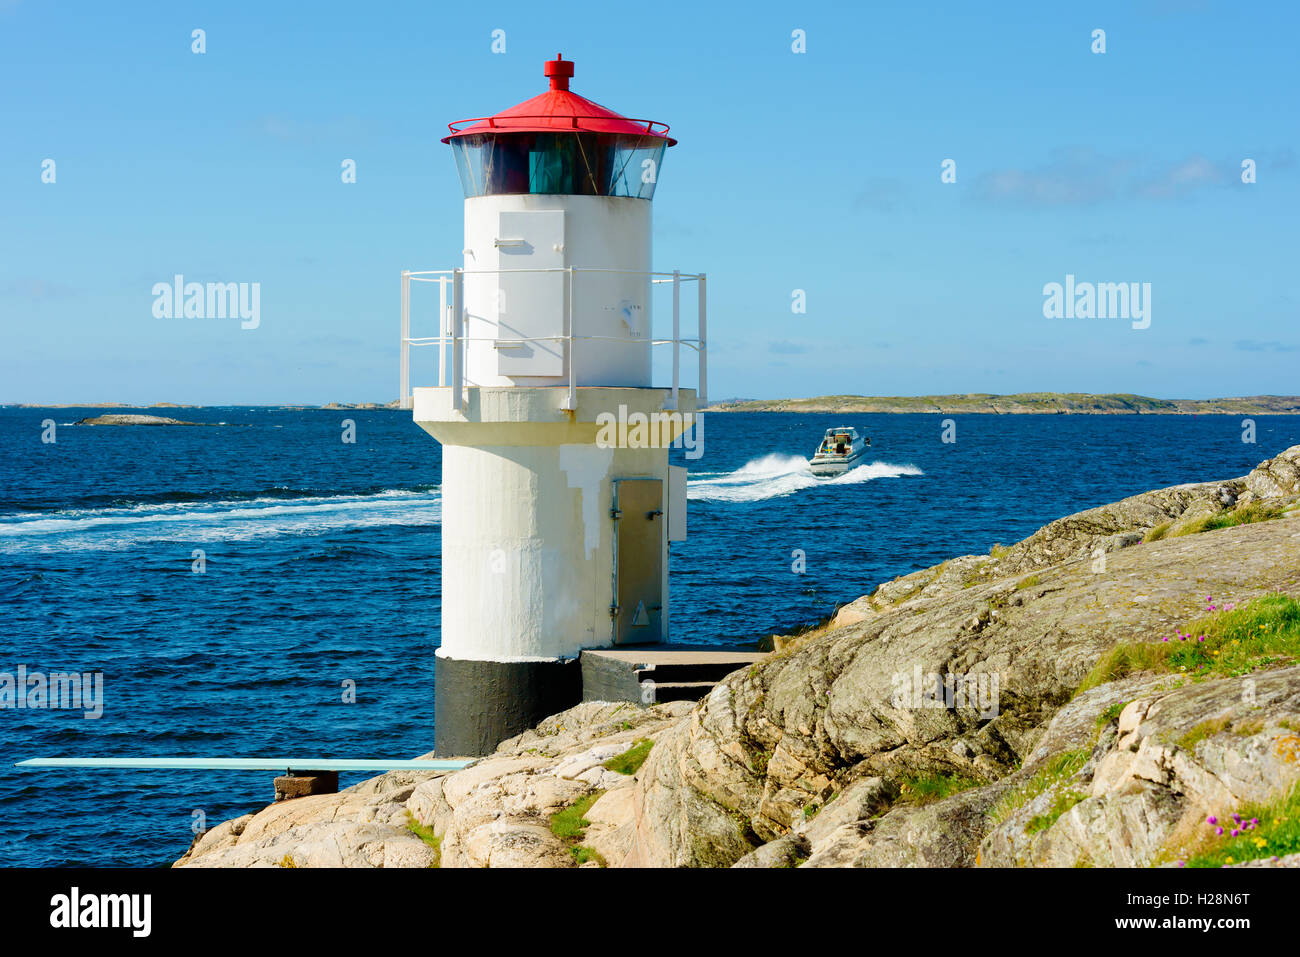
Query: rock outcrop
{"type": "Point", "coordinates": [122, 419]}
{"type": "Point", "coordinates": [856, 747]}
{"type": "Point", "coordinates": [1091, 532]}
{"type": "Point", "coordinates": [495, 813]}
{"type": "Point", "coordinates": [1172, 758]}
{"type": "Point", "coordinates": [363, 826]}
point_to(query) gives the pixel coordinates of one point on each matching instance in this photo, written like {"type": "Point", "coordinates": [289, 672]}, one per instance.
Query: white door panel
{"type": "Point", "coordinates": [531, 305]}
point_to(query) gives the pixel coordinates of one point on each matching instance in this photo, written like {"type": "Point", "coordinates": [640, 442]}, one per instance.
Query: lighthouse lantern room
{"type": "Point", "coordinates": [556, 516]}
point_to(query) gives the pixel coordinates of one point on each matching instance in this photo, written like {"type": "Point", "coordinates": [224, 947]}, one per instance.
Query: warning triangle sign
{"type": "Point", "coordinates": [640, 619]}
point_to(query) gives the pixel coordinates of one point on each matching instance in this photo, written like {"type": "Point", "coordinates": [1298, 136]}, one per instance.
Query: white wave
{"type": "Point", "coordinates": [102, 529]}
{"type": "Point", "coordinates": [774, 476]}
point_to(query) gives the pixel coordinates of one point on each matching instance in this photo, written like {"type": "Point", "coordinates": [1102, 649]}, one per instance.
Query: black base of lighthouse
{"type": "Point", "coordinates": [478, 704]}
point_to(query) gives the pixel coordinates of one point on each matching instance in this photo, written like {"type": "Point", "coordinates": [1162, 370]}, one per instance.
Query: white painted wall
{"type": "Point", "coordinates": [527, 547]}
{"type": "Point", "coordinates": [527, 540]}
{"type": "Point", "coordinates": [606, 232]}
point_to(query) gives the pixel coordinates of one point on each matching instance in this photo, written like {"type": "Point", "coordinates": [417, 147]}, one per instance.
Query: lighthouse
{"type": "Point", "coordinates": [558, 500]}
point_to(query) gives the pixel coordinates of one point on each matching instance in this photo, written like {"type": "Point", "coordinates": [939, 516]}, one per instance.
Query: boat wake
{"type": "Point", "coordinates": [774, 476]}
{"type": "Point", "coordinates": [241, 520]}
{"type": "Point", "coordinates": [100, 529]}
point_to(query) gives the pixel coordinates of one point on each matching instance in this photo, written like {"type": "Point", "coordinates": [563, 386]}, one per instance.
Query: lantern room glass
{"type": "Point", "coordinates": [581, 164]}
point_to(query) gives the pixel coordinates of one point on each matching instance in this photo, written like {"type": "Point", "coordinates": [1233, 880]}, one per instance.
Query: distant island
{"type": "Point", "coordinates": [1023, 403]}
{"type": "Point", "coordinates": [132, 420]}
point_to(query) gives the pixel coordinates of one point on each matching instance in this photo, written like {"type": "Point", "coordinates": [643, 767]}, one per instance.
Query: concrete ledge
{"type": "Point", "coordinates": [538, 409]}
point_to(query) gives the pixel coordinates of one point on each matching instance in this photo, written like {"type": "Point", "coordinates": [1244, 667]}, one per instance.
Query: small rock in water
{"type": "Point", "coordinates": [116, 419]}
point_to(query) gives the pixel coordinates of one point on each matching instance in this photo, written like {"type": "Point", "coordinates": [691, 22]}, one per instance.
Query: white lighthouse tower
{"type": "Point", "coordinates": [558, 502]}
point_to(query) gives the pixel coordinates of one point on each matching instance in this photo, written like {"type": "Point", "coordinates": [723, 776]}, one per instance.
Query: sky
{"type": "Point", "coordinates": [814, 177]}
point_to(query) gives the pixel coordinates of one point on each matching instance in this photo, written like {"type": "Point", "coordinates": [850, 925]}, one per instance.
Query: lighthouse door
{"type": "Point", "coordinates": [638, 561]}
{"type": "Point", "coordinates": [530, 305]}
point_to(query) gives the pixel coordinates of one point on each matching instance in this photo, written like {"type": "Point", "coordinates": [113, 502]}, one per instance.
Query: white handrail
{"type": "Point", "coordinates": [457, 338]}
{"type": "Point", "coordinates": [677, 333]}
{"type": "Point", "coordinates": [702, 390]}
{"type": "Point", "coordinates": [451, 326]}
{"type": "Point", "coordinates": [442, 331]}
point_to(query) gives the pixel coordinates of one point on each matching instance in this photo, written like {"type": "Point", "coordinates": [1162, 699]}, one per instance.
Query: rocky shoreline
{"type": "Point", "coordinates": [1144, 663]}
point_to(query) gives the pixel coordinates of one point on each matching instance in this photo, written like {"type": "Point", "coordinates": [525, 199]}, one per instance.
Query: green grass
{"type": "Point", "coordinates": [999, 550]}
{"type": "Point", "coordinates": [1112, 713]}
{"type": "Point", "coordinates": [1029, 582]}
{"type": "Point", "coordinates": [570, 827]}
{"type": "Point", "coordinates": [1246, 515]}
{"type": "Point", "coordinates": [426, 834]}
{"type": "Point", "coordinates": [1278, 833]}
{"type": "Point", "coordinates": [1060, 804]}
{"type": "Point", "coordinates": [926, 788]}
{"type": "Point", "coordinates": [1260, 633]}
{"type": "Point", "coordinates": [1199, 732]}
{"type": "Point", "coordinates": [582, 854]}
{"type": "Point", "coordinates": [1159, 532]}
{"type": "Point", "coordinates": [630, 761]}
{"type": "Point", "coordinates": [569, 824]}
{"type": "Point", "coordinates": [1123, 660]}
{"type": "Point", "coordinates": [1056, 769]}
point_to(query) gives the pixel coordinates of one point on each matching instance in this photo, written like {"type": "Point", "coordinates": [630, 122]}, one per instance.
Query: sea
{"type": "Point", "coordinates": [261, 587]}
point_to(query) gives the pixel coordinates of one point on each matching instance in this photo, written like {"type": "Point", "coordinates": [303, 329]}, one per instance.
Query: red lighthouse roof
{"type": "Point", "coordinates": [558, 110]}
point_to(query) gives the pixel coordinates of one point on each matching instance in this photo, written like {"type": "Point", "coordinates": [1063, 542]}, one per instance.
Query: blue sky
{"type": "Point", "coordinates": [817, 171]}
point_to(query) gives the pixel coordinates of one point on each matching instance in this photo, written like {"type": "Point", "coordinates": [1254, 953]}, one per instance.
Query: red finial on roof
{"type": "Point", "coordinates": [559, 70]}
{"type": "Point", "coordinates": [555, 111]}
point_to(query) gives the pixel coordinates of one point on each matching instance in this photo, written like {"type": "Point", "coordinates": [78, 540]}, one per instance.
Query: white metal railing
{"type": "Point", "coordinates": [451, 328]}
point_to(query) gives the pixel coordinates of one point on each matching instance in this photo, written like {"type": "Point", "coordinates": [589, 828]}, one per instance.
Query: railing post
{"type": "Point", "coordinates": [571, 403]}
{"type": "Point", "coordinates": [702, 398]}
{"type": "Point", "coordinates": [457, 339]}
{"type": "Point", "coordinates": [404, 374]}
{"type": "Point", "coordinates": [677, 333]}
{"type": "Point", "coordinates": [442, 331]}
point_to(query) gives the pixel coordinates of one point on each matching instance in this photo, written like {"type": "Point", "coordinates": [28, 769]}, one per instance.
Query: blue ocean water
{"type": "Point", "coordinates": [322, 567]}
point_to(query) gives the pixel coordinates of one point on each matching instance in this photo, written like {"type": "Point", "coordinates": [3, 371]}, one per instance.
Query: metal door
{"type": "Point", "coordinates": [531, 304]}
{"type": "Point", "coordinates": [638, 561]}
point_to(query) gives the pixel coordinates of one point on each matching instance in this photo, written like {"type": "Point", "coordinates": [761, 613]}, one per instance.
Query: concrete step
{"type": "Point", "coordinates": [676, 672]}
{"type": "Point", "coordinates": [690, 671]}
{"type": "Point", "coordinates": [680, 690]}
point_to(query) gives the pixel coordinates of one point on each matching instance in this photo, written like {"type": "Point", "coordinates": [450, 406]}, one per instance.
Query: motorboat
{"type": "Point", "coordinates": [841, 450]}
